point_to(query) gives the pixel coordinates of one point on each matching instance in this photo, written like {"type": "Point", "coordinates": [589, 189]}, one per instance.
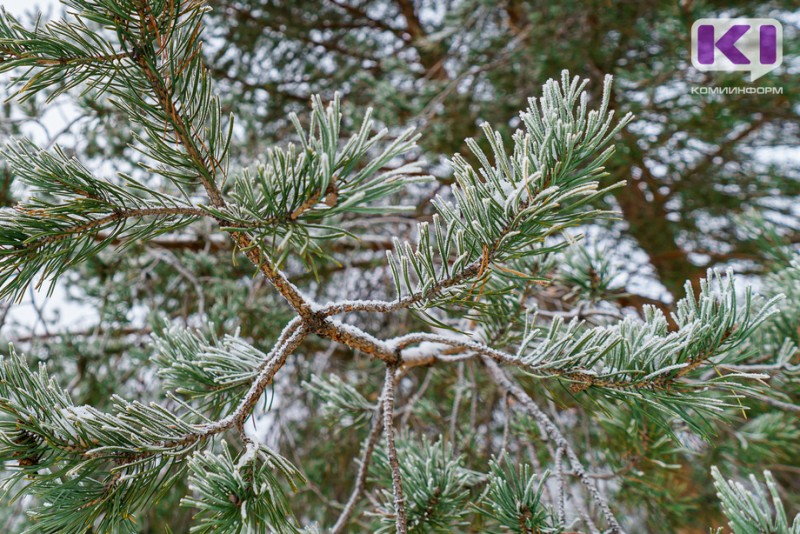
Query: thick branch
{"type": "Point", "coordinates": [401, 343]}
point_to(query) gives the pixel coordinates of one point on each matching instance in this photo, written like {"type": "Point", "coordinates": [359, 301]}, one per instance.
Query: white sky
{"type": "Point", "coordinates": [19, 7]}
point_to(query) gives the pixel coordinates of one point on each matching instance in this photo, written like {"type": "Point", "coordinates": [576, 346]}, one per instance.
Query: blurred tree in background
{"type": "Point", "coordinates": [710, 181]}
{"type": "Point", "coordinates": [692, 162]}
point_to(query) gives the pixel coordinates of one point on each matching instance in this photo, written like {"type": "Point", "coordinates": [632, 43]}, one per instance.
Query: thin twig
{"type": "Point", "coordinates": [363, 469]}
{"type": "Point", "coordinates": [555, 435]}
{"type": "Point", "coordinates": [291, 337]}
{"type": "Point", "coordinates": [409, 405]}
{"type": "Point", "coordinates": [473, 408]}
{"type": "Point", "coordinates": [506, 426]}
{"type": "Point", "coordinates": [562, 498]}
{"type": "Point", "coordinates": [388, 426]}
{"type": "Point", "coordinates": [115, 217]}
{"type": "Point", "coordinates": [582, 511]}
{"type": "Point", "coordinates": [456, 404]}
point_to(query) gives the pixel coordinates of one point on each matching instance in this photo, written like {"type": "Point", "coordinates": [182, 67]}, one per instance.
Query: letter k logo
{"type": "Point", "coordinates": [726, 44]}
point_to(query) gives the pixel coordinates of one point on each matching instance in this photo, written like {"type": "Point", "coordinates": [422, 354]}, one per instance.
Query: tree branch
{"type": "Point", "coordinates": [290, 338]}
{"type": "Point", "coordinates": [382, 306]}
{"type": "Point", "coordinates": [116, 216]}
{"type": "Point", "coordinates": [11, 54]}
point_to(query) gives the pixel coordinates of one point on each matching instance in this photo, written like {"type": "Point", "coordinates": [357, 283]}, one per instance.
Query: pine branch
{"type": "Point", "coordinates": [42, 236]}
{"type": "Point", "coordinates": [203, 156]}
{"type": "Point", "coordinates": [196, 365]}
{"type": "Point", "coordinates": [750, 512]}
{"type": "Point", "coordinates": [71, 52]}
{"type": "Point", "coordinates": [47, 431]}
{"type": "Point", "coordinates": [512, 208]}
{"type": "Point", "coordinates": [86, 466]}
{"type": "Point", "coordinates": [243, 495]}
{"type": "Point", "coordinates": [436, 485]}
{"type": "Point", "coordinates": [485, 255]}
{"type": "Point", "coordinates": [114, 217]}
{"type": "Point", "coordinates": [515, 501]}
{"type": "Point", "coordinates": [295, 198]}
{"type": "Point", "coordinates": [636, 361]}
{"type": "Point", "coordinates": [173, 73]}
{"type": "Point", "coordinates": [289, 340]}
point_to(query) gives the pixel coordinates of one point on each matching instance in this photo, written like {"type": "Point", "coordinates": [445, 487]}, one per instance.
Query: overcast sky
{"type": "Point", "coordinates": [18, 7]}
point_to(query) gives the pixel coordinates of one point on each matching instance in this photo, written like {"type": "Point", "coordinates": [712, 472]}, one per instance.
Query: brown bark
{"type": "Point", "coordinates": [430, 55]}
{"type": "Point", "coordinates": [648, 224]}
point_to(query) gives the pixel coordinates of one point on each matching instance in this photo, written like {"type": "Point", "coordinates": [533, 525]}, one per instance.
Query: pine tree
{"type": "Point", "coordinates": [556, 408]}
